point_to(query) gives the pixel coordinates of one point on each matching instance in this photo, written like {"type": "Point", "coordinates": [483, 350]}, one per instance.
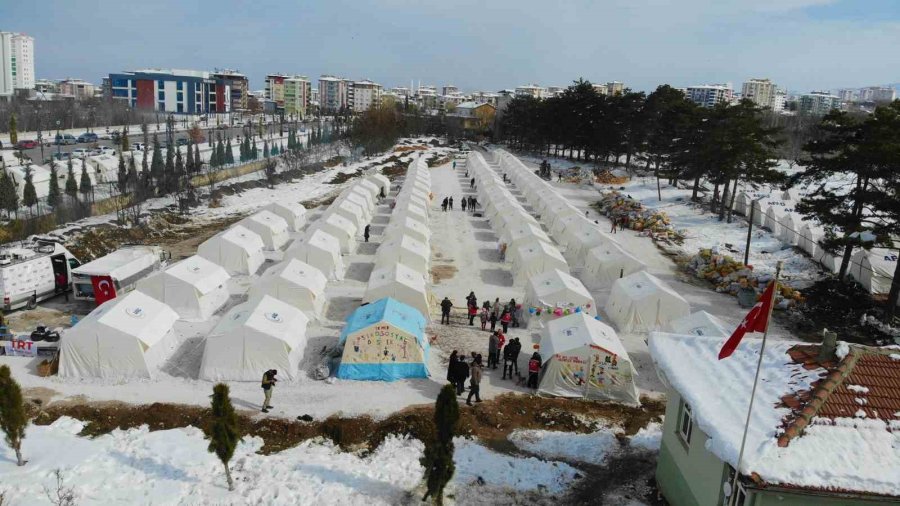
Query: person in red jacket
{"type": "Point", "coordinates": [473, 312]}
{"type": "Point", "coordinates": [505, 318]}
{"type": "Point", "coordinates": [534, 368]}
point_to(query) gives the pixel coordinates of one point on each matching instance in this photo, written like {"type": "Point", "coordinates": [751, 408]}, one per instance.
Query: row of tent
{"type": "Point", "coordinates": [385, 339]}
{"type": "Point", "coordinates": [638, 301]}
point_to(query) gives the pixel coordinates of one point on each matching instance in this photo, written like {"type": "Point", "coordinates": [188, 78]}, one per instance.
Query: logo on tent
{"type": "Point", "coordinates": [275, 317]}
{"type": "Point", "coordinates": [570, 331]}
{"type": "Point", "coordinates": [135, 312]}
{"type": "Point", "coordinates": [195, 268]}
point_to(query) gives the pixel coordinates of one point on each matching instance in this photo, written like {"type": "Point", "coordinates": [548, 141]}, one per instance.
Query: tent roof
{"type": "Point", "coordinates": [699, 323]}
{"type": "Point", "coordinates": [266, 315]}
{"type": "Point", "coordinates": [642, 284]}
{"type": "Point", "coordinates": [525, 230]}
{"type": "Point", "coordinates": [295, 208]}
{"type": "Point", "coordinates": [267, 219]}
{"type": "Point", "coordinates": [577, 330]}
{"type": "Point", "coordinates": [299, 273]}
{"type": "Point", "coordinates": [387, 310]}
{"type": "Point", "coordinates": [543, 248]}
{"type": "Point", "coordinates": [555, 280]}
{"type": "Point", "coordinates": [204, 275]}
{"type": "Point", "coordinates": [136, 314]}
{"type": "Point", "coordinates": [121, 263]}
{"type": "Point", "coordinates": [381, 181]}
{"type": "Point", "coordinates": [405, 242]}
{"type": "Point", "coordinates": [241, 237]}
{"type": "Point", "coordinates": [397, 273]}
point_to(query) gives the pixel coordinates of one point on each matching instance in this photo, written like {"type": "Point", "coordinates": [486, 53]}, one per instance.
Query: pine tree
{"type": "Point", "coordinates": [156, 164]}
{"type": "Point", "coordinates": [122, 175]}
{"type": "Point", "coordinates": [29, 195]}
{"type": "Point", "coordinates": [229, 153]}
{"type": "Point", "coordinates": [85, 187]}
{"type": "Point", "coordinates": [126, 146]}
{"type": "Point", "coordinates": [169, 169]}
{"type": "Point", "coordinates": [274, 149]}
{"type": "Point", "coordinates": [133, 180]}
{"type": "Point", "coordinates": [254, 153]}
{"type": "Point", "coordinates": [71, 184]}
{"type": "Point", "coordinates": [290, 137]}
{"type": "Point", "coordinates": [9, 199]}
{"type": "Point", "coordinates": [198, 162]}
{"type": "Point", "coordinates": [223, 433]}
{"type": "Point", "coordinates": [54, 198]}
{"type": "Point", "coordinates": [178, 173]}
{"type": "Point", "coordinates": [266, 149]}
{"type": "Point", "coordinates": [13, 419]}
{"type": "Point", "coordinates": [13, 133]}
{"type": "Point", "coordinates": [438, 457]}
{"type": "Point", "coordinates": [189, 163]}
{"type": "Point", "coordinates": [281, 149]}
{"type": "Point", "coordinates": [220, 153]}
{"type": "Point", "coordinates": [242, 151]}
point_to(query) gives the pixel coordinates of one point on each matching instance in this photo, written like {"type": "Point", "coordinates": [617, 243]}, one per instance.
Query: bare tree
{"type": "Point", "coordinates": [63, 495]}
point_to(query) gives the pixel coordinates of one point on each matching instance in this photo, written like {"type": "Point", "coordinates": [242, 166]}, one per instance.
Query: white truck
{"type": "Point", "coordinates": [32, 272]}
{"type": "Point", "coordinates": [122, 268]}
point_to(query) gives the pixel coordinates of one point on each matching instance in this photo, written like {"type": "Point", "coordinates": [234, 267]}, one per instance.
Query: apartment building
{"type": "Point", "coordinates": [77, 88]}
{"type": "Point", "coordinates": [334, 93]}
{"type": "Point", "coordinates": [877, 94]}
{"type": "Point", "coordinates": [275, 89]}
{"type": "Point", "coordinates": [239, 85]}
{"type": "Point", "coordinates": [761, 91]}
{"type": "Point", "coordinates": [366, 94]}
{"type": "Point", "coordinates": [847, 95]}
{"type": "Point", "coordinates": [16, 62]}
{"type": "Point", "coordinates": [531, 90]}
{"type": "Point", "coordinates": [297, 96]}
{"type": "Point", "coordinates": [708, 95]}
{"type": "Point", "coordinates": [171, 90]}
{"type": "Point", "coordinates": [449, 90]}
{"type": "Point", "coordinates": [818, 103]}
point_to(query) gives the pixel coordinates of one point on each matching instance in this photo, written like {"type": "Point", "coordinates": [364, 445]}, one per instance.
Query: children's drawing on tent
{"type": "Point", "coordinates": [604, 369]}
{"type": "Point", "coordinates": [572, 370]}
{"type": "Point", "coordinates": [381, 343]}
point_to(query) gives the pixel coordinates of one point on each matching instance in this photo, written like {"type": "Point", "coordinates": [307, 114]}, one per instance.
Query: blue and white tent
{"type": "Point", "coordinates": [384, 340]}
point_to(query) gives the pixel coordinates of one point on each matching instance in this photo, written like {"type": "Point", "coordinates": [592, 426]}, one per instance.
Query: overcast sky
{"type": "Point", "coordinates": [475, 44]}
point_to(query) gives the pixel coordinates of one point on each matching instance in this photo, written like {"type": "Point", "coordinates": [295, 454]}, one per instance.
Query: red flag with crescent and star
{"type": "Point", "coordinates": [756, 321]}
{"type": "Point", "coordinates": [104, 289]}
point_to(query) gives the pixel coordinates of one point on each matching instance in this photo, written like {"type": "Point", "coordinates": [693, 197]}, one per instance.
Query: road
{"type": "Point", "coordinates": [153, 129]}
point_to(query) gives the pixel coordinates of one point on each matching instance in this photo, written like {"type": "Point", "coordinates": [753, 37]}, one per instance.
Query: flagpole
{"type": "Point", "coordinates": [762, 350]}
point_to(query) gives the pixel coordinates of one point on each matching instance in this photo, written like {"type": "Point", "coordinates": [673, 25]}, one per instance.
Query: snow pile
{"type": "Point", "coordinates": [590, 448]}
{"type": "Point", "coordinates": [648, 438]}
{"type": "Point", "coordinates": [474, 461]}
{"type": "Point", "coordinates": [165, 467]}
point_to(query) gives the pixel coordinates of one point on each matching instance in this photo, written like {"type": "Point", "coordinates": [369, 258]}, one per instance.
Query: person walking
{"type": "Point", "coordinates": [485, 315]}
{"type": "Point", "coordinates": [507, 360]}
{"type": "Point", "coordinates": [473, 312]}
{"type": "Point", "coordinates": [268, 386]}
{"type": "Point", "coordinates": [451, 367]}
{"type": "Point", "coordinates": [446, 305]}
{"type": "Point", "coordinates": [474, 381]}
{"type": "Point", "coordinates": [461, 372]}
{"type": "Point", "coordinates": [613, 220]}
{"type": "Point", "coordinates": [366, 233]}
{"type": "Point", "coordinates": [493, 350]}
{"type": "Point", "coordinates": [472, 183]}
{"type": "Point", "coordinates": [505, 318]}
{"type": "Point", "coordinates": [463, 204]}
{"type": "Point", "coordinates": [534, 368]}
{"type": "Point", "coordinates": [444, 205]}
{"type": "Point", "coordinates": [493, 320]}
{"type": "Point", "coordinates": [454, 164]}
{"type": "Point", "coordinates": [516, 315]}
{"type": "Point", "coordinates": [471, 299]}
{"type": "Point", "coordinates": [381, 194]}
{"type": "Point", "coordinates": [515, 347]}
{"type": "Point", "coordinates": [450, 206]}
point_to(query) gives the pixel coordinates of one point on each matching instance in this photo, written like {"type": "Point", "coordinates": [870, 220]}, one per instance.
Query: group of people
{"type": "Point", "coordinates": [469, 203]}
{"type": "Point", "coordinates": [544, 171]}
{"type": "Point", "coordinates": [459, 370]}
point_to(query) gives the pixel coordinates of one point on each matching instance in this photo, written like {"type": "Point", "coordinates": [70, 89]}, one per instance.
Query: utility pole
{"type": "Point", "coordinates": [750, 229]}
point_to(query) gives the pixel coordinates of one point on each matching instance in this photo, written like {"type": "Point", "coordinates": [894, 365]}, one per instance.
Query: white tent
{"type": "Point", "coordinates": [788, 226]}
{"type": "Point", "coordinates": [237, 249]}
{"type": "Point", "coordinates": [351, 211]}
{"type": "Point", "coordinates": [700, 323]}
{"type": "Point", "coordinates": [194, 287]}
{"type": "Point", "coordinates": [271, 228]}
{"type": "Point", "coordinates": [338, 227]}
{"type": "Point", "coordinates": [381, 181]}
{"type": "Point", "coordinates": [506, 222]}
{"type": "Point", "coordinates": [558, 223]}
{"type": "Point", "coordinates": [293, 213]}
{"type": "Point", "coordinates": [368, 187]}
{"type": "Point", "coordinates": [557, 289]}
{"type": "Point", "coordinates": [295, 282]}
{"type": "Point", "coordinates": [320, 250]}
{"type": "Point", "coordinates": [403, 250]}
{"type": "Point", "coordinates": [408, 226]}
{"type": "Point", "coordinates": [129, 336]}
{"type": "Point", "coordinates": [643, 302]}
{"type": "Point", "coordinates": [360, 195]}
{"type": "Point", "coordinates": [742, 203]}
{"type": "Point", "coordinates": [608, 262]}
{"type": "Point", "coordinates": [524, 233]}
{"type": "Point", "coordinates": [534, 258]}
{"type": "Point", "coordinates": [809, 236]}
{"type": "Point", "coordinates": [582, 236]}
{"type": "Point", "coordinates": [401, 283]}
{"type": "Point", "coordinates": [584, 358]}
{"type": "Point", "coordinates": [874, 269]}
{"type": "Point", "coordinates": [772, 222]}
{"type": "Point", "coordinates": [411, 211]}
{"type": "Point", "coordinates": [759, 211]}
{"type": "Point", "coordinates": [253, 337]}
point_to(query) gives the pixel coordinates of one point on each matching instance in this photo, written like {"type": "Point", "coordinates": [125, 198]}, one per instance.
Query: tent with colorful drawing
{"type": "Point", "coordinates": [385, 341]}
{"type": "Point", "coordinates": [584, 358]}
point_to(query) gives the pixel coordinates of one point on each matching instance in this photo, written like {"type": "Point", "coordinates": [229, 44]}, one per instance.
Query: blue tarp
{"type": "Point", "coordinates": [386, 311]}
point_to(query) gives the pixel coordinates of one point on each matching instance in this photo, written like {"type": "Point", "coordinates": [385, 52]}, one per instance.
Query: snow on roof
{"type": "Point", "coordinates": [397, 273]}
{"type": "Point", "coordinates": [579, 329]}
{"type": "Point", "coordinates": [122, 263]}
{"type": "Point", "coordinates": [831, 443]}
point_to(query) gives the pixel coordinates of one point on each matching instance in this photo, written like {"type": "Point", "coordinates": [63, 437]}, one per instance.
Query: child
{"type": "Point", "coordinates": [493, 321]}
{"type": "Point", "coordinates": [485, 315]}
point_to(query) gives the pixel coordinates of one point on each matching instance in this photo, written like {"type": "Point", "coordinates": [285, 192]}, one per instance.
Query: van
{"type": "Point", "coordinates": [123, 268]}
{"type": "Point", "coordinates": [33, 272]}
{"type": "Point", "coordinates": [65, 139]}
{"type": "Point", "coordinates": [87, 137]}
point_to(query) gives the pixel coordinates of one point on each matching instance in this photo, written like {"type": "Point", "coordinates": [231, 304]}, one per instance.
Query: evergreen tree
{"type": "Point", "coordinates": [122, 175]}
{"type": "Point", "coordinates": [254, 153]}
{"type": "Point", "coordinates": [189, 163]}
{"type": "Point", "coordinates": [229, 153]}
{"type": "Point", "coordinates": [13, 133]}
{"type": "Point", "coordinates": [438, 457]}
{"type": "Point", "coordinates": [85, 187]}
{"type": "Point", "coordinates": [156, 163]}
{"type": "Point", "coordinates": [220, 153]}
{"type": "Point", "coordinates": [223, 433]}
{"type": "Point", "coordinates": [54, 197]}
{"type": "Point", "coordinates": [126, 146]}
{"type": "Point", "coordinates": [275, 151]}
{"type": "Point", "coordinates": [198, 162]}
{"type": "Point", "coordinates": [242, 151]}
{"type": "Point", "coordinates": [133, 180]}
{"type": "Point", "coordinates": [169, 169]}
{"type": "Point", "coordinates": [291, 139]}
{"type": "Point", "coordinates": [281, 149]}
{"type": "Point", "coordinates": [13, 418]}
{"type": "Point", "coordinates": [178, 173]}
{"type": "Point", "coordinates": [29, 195]}
{"type": "Point", "coordinates": [9, 198]}
{"type": "Point", "coordinates": [266, 149]}
{"type": "Point", "coordinates": [144, 163]}
{"type": "Point", "coordinates": [71, 184]}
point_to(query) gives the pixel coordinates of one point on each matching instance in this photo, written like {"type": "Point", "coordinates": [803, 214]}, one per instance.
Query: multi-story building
{"type": "Point", "coordinates": [530, 90]}
{"type": "Point", "coordinates": [485, 97]}
{"type": "Point", "coordinates": [401, 91]}
{"type": "Point", "coordinates": [16, 62]}
{"type": "Point", "coordinates": [77, 88]}
{"type": "Point", "coordinates": [847, 95]}
{"type": "Point", "coordinates": [708, 95]}
{"type": "Point", "coordinates": [275, 89]}
{"type": "Point", "coordinates": [239, 85]}
{"type": "Point", "coordinates": [877, 94]}
{"type": "Point", "coordinates": [46, 86]}
{"type": "Point", "coordinates": [818, 103]}
{"type": "Point", "coordinates": [761, 91]}
{"type": "Point", "coordinates": [449, 90]}
{"type": "Point", "coordinates": [334, 93]}
{"type": "Point", "coordinates": [366, 94]}
{"type": "Point", "coordinates": [610, 88]}
{"type": "Point", "coordinates": [297, 96]}
{"type": "Point", "coordinates": [175, 91]}
{"type": "Point", "coordinates": [780, 100]}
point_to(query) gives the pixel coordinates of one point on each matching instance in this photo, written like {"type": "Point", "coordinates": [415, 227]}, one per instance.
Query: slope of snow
{"type": "Point", "coordinates": [648, 438]}
{"type": "Point", "coordinates": [474, 461]}
{"type": "Point", "coordinates": [591, 448]}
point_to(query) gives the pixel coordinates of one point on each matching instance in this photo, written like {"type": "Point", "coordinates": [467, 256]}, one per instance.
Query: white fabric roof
{"type": "Point", "coordinates": [874, 269]}
{"type": "Point", "coordinates": [270, 227]}
{"type": "Point", "coordinates": [404, 250]}
{"type": "Point", "coordinates": [194, 287]}
{"type": "Point", "coordinates": [237, 249]}
{"type": "Point", "coordinates": [293, 213]}
{"type": "Point", "coordinates": [338, 227]}
{"type": "Point", "coordinates": [607, 261]}
{"type": "Point", "coordinates": [641, 302]}
{"type": "Point", "coordinates": [122, 263]}
{"type": "Point", "coordinates": [402, 283]}
{"type": "Point", "coordinates": [699, 323]}
{"type": "Point", "coordinates": [320, 250]}
{"type": "Point", "coordinates": [295, 282]}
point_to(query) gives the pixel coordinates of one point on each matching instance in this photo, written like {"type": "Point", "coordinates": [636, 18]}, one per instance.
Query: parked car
{"type": "Point", "coordinates": [26, 144]}
{"type": "Point", "coordinates": [80, 152]}
{"type": "Point", "coordinates": [138, 146]}
{"type": "Point", "coordinates": [65, 139]}
{"type": "Point", "coordinates": [87, 137]}
{"type": "Point", "coordinates": [106, 150]}
{"type": "Point", "coordinates": [181, 142]}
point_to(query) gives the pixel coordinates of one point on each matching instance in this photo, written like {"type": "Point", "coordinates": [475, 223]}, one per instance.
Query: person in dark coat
{"type": "Point", "coordinates": [451, 369]}
{"type": "Point", "coordinates": [493, 321]}
{"type": "Point", "coordinates": [472, 183]}
{"type": "Point", "coordinates": [444, 205]}
{"type": "Point", "coordinates": [460, 375]}
{"type": "Point", "coordinates": [493, 350]}
{"type": "Point", "coordinates": [463, 205]}
{"type": "Point", "coordinates": [534, 369]}
{"type": "Point", "coordinates": [366, 233]}
{"type": "Point", "coordinates": [514, 347]}
{"type": "Point", "coordinates": [446, 306]}
{"type": "Point", "coordinates": [475, 381]}
{"type": "Point", "coordinates": [471, 299]}
{"type": "Point", "coordinates": [268, 386]}
{"type": "Point", "coordinates": [450, 204]}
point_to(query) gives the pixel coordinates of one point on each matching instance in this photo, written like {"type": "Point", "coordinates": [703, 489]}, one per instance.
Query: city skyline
{"type": "Point", "coordinates": [478, 47]}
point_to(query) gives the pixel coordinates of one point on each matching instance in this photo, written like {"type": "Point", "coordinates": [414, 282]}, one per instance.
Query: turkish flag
{"type": "Point", "coordinates": [104, 289]}
{"type": "Point", "coordinates": [755, 321]}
